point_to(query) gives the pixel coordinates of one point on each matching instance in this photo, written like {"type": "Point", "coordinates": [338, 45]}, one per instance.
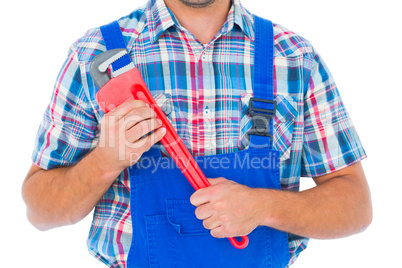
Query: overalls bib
{"type": "Point", "coordinates": [166, 232]}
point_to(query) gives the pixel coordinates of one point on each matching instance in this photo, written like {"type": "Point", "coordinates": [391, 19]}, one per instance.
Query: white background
{"type": "Point", "coordinates": [359, 40]}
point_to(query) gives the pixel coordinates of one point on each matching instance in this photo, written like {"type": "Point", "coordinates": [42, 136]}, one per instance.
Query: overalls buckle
{"type": "Point", "coordinates": [261, 117]}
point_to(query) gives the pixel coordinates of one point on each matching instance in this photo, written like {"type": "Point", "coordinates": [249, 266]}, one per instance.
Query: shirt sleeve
{"type": "Point", "coordinates": [330, 139]}
{"type": "Point", "coordinates": [69, 127]}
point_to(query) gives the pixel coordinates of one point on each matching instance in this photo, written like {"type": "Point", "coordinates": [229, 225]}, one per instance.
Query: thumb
{"type": "Point", "coordinates": [216, 180]}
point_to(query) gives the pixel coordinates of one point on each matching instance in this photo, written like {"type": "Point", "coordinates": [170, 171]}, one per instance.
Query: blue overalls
{"type": "Point", "coordinates": [166, 232]}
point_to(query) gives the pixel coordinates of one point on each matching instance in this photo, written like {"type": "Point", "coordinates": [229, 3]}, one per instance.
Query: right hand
{"type": "Point", "coordinates": [121, 139]}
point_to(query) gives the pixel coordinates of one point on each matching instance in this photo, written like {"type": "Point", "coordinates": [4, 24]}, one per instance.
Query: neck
{"type": "Point", "coordinates": [203, 22]}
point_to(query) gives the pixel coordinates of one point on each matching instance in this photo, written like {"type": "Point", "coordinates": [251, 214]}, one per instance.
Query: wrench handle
{"type": "Point", "coordinates": [239, 244]}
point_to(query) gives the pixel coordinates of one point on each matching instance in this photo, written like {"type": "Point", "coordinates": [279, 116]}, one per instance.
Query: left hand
{"type": "Point", "coordinates": [227, 208]}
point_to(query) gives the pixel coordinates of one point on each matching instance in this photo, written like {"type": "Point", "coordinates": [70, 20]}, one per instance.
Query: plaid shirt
{"type": "Point", "coordinates": [204, 90]}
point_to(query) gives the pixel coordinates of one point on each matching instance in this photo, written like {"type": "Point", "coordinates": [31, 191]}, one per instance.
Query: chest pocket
{"type": "Point", "coordinates": [286, 112]}
{"type": "Point", "coordinates": [164, 102]}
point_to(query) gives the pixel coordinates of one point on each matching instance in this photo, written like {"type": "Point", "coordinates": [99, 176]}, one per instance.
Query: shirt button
{"type": "Point", "coordinates": [207, 112]}
{"type": "Point", "coordinates": [204, 58]}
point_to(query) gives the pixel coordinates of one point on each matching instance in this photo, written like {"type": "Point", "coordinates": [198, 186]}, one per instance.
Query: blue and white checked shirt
{"type": "Point", "coordinates": [204, 90]}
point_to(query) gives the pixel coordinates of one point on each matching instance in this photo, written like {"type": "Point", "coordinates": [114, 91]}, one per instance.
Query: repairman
{"type": "Point", "coordinates": [253, 102]}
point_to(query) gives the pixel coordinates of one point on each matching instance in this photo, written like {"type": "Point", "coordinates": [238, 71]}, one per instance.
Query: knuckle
{"type": "Point", "coordinates": [147, 112]}
{"type": "Point", "coordinates": [192, 200]}
{"type": "Point", "coordinates": [125, 104]}
{"type": "Point", "coordinates": [217, 233]}
{"type": "Point", "coordinates": [214, 233]}
{"type": "Point", "coordinates": [142, 127]}
{"type": "Point", "coordinates": [218, 189]}
{"type": "Point", "coordinates": [144, 145]}
{"type": "Point", "coordinates": [224, 218]}
{"type": "Point", "coordinates": [156, 137]}
{"type": "Point", "coordinates": [214, 190]}
{"type": "Point", "coordinates": [131, 120]}
{"type": "Point", "coordinates": [151, 111]}
{"type": "Point", "coordinates": [122, 108]}
{"type": "Point", "coordinates": [153, 124]}
{"type": "Point", "coordinates": [156, 122]}
{"type": "Point", "coordinates": [137, 103]}
{"type": "Point", "coordinates": [160, 135]}
{"type": "Point", "coordinates": [139, 114]}
{"type": "Point", "coordinates": [225, 230]}
{"type": "Point", "coordinates": [197, 213]}
{"type": "Point", "coordinates": [149, 141]}
{"type": "Point", "coordinates": [219, 206]}
{"type": "Point", "coordinates": [231, 231]}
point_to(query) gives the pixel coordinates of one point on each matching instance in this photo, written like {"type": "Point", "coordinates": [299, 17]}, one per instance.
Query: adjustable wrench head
{"type": "Point", "coordinates": [100, 64]}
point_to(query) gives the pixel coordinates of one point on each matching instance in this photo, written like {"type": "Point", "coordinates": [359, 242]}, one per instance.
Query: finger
{"type": "Point", "coordinates": [147, 142]}
{"type": "Point", "coordinates": [200, 197]}
{"type": "Point", "coordinates": [218, 232]}
{"type": "Point", "coordinates": [135, 116]}
{"type": "Point", "coordinates": [141, 129]}
{"type": "Point", "coordinates": [216, 180]}
{"type": "Point", "coordinates": [203, 212]}
{"type": "Point", "coordinates": [126, 107]}
{"type": "Point", "coordinates": [211, 223]}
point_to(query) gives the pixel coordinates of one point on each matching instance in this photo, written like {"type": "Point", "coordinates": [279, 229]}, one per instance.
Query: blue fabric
{"type": "Point", "coordinates": [263, 87]}
{"type": "Point", "coordinates": [263, 78]}
{"type": "Point", "coordinates": [166, 232]}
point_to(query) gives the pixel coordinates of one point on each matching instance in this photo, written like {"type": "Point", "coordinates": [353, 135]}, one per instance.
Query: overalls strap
{"type": "Point", "coordinates": [113, 38]}
{"type": "Point", "coordinates": [263, 86]}
{"type": "Point", "coordinates": [262, 106]}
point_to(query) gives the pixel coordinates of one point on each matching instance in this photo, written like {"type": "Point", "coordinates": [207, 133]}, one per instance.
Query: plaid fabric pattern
{"type": "Point", "coordinates": [204, 89]}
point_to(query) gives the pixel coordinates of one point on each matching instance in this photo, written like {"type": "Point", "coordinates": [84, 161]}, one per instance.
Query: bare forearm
{"type": "Point", "coordinates": [334, 209]}
{"type": "Point", "coordinates": [340, 205]}
{"type": "Point", "coordinates": [65, 195]}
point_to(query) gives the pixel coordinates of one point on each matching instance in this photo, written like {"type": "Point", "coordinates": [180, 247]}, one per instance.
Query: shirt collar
{"type": "Point", "coordinates": [160, 19]}
{"type": "Point", "coordinates": [244, 19]}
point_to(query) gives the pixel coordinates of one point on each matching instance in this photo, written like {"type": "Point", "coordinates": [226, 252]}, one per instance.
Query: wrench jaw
{"type": "Point", "coordinates": [100, 64]}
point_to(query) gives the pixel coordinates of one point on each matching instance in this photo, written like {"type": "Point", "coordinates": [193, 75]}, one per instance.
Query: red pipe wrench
{"type": "Point", "coordinates": [126, 84]}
